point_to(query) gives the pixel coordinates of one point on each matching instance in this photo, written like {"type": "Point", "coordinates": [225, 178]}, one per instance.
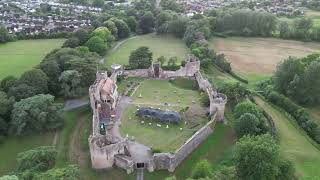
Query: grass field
{"type": "Point", "coordinates": [167, 46]}
{"type": "Point", "coordinates": [14, 145]}
{"type": "Point", "coordinates": [256, 58]}
{"type": "Point", "coordinates": [20, 56]}
{"type": "Point", "coordinates": [155, 93]}
{"type": "Point", "coordinates": [294, 144]}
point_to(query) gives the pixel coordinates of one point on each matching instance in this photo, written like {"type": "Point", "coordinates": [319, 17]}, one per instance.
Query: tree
{"type": "Point", "coordinates": [36, 114]}
{"type": "Point", "coordinates": [6, 105]}
{"type": "Point", "coordinates": [147, 23]}
{"type": "Point", "coordinates": [171, 178]}
{"type": "Point", "coordinates": [284, 30]}
{"type": "Point", "coordinates": [53, 71]}
{"type": "Point", "coordinates": [178, 26]}
{"type": "Point", "coordinates": [70, 172]}
{"type": "Point", "coordinates": [235, 92]}
{"type": "Point", "coordinates": [39, 159]}
{"type": "Point", "coordinates": [247, 107]}
{"type": "Point", "coordinates": [202, 170]}
{"type": "Point", "coordinates": [162, 22]}
{"type": "Point", "coordinates": [173, 61]}
{"type": "Point", "coordinates": [162, 60]}
{"type": "Point", "coordinates": [37, 79]}
{"type": "Point", "coordinates": [123, 29]}
{"type": "Point", "coordinates": [302, 27]}
{"type": "Point", "coordinates": [96, 44]}
{"type": "Point", "coordinates": [140, 58]}
{"type": "Point", "coordinates": [86, 67]}
{"type": "Point", "coordinates": [256, 157]}
{"type": "Point", "coordinates": [311, 84]}
{"type": "Point", "coordinates": [285, 73]}
{"type": "Point", "coordinates": [71, 42]}
{"type": "Point", "coordinates": [112, 27]}
{"type": "Point", "coordinates": [21, 91]}
{"type": "Point", "coordinates": [70, 83]}
{"type": "Point", "coordinates": [247, 124]}
{"type": "Point", "coordinates": [132, 23]}
{"type": "Point", "coordinates": [4, 35]}
{"type": "Point", "coordinates": [7, 83]}
{"type": "Point", "coordinates": [225, 173]}
{"type": "Point", "coordinates": [82, 35]}
{"type": "Point", "coordinates": [104, 34]}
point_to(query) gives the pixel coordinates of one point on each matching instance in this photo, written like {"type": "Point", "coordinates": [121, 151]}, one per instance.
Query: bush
{"type": "Point", "coordinates": [204, 99]}
{"type": "Point", "coordinates": [155, 150]}
{"type": "Point", "coordinates": [202, 170]}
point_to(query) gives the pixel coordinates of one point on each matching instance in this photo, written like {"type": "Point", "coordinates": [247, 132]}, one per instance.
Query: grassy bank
{"type": "Point", "coordinates": [294, 144]}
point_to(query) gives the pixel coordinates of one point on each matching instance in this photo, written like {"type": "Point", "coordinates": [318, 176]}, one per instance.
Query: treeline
{"type": "Point", "coordinates": [246, 23]}
{"type": "Point", "coordinates": [300, 29]}
{"type": "Point", "coordinates": [312, 4]}
{"type": "Point", "coordinates": [296, 81]}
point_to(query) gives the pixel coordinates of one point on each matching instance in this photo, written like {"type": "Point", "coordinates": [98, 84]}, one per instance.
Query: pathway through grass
{"type": "Point", "coordinates": [294, 144]}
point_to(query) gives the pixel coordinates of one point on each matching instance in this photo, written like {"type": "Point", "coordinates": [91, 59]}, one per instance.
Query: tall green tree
{"type": "Point", "coordinates": [71, 172]}
{"type": "Point", "coordinates": [147, 23]}
{"type": "Point", "coordinates": [202, 170]}
{"type": "Point", "coordinates": [96, 44]}
{"type": "Point", "coordinates": [70, 83]}
{"type": "Point", "coordinates": [36, 114]}
{"type": "Point", "coordinates": [256, 157]}
{"type": "Point", "coordinates": [140, 58]}
{"type": "Point", "coordinates": [39, 159]}
{"type": "Point", "coordinates": [37, 79]}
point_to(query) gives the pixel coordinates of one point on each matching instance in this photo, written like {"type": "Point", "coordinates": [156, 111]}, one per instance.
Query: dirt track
{"type": "Point", "coordinates": [260, 55]}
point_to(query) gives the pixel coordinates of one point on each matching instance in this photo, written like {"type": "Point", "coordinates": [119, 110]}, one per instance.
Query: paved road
{"type": "Point", "coordinates": [140, 174]}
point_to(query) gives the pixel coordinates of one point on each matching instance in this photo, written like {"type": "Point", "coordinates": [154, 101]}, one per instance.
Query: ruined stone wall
{"type": "Point", "coordinates": [171, 161]}
{"type": "Point", "coordinates": [102, 157]}
{"type": "Point", "coordinates": [124, 162]}
{"type": "Point", "coordinates": [137, 73]}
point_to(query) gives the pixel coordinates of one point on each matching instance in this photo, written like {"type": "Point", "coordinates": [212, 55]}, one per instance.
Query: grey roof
{"type": "Point", "coordinates": [161, 115]}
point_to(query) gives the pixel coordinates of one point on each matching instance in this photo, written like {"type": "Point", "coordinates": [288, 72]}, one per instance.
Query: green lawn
{"type": "Point", "coordinates": [155, 93]}
{"type": "Point", "coordinates": [214, 149]}
{"type": "Point", "coordinates": [216, 77]}
{"type": "Point", "coordinates": [294, 144]}
{"type": "Point", "coordinates": [20, 56]}
{"type": "Point", "coordinates": [167, 46]}
{"type": "Point", "coordinates": [14, 145]}
{"type": "Point", "coordinates": [162, 91]}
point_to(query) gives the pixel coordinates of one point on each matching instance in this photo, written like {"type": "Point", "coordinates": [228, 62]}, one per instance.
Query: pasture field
{"type": "Point", "coordinates": [294, 144]}
{"type": "Point", "coordinates": [20, 56]}
{"type": "Point", "coordinates": [165, 45]}
{"type": "Point", "coordinates": [164, 95]}
{"type": "Point", "coordinates": [256, 58]}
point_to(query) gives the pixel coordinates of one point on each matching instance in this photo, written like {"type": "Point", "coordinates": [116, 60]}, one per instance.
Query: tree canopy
{"type": "Point", "coordinates": [140, 58]}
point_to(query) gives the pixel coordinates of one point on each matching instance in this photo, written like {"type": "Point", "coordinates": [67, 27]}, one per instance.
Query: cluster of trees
{"type": "Point", "coordinates": [5, 36]}
{"type": "Point", "coordinates": [246, 23]}
{"type": "Point", "coordinates": [299, 79]}
{"type": "Point", "coordinates": [300, 29]}
{"type": "Point", "coordinates": [249, 120]}
{"type": "Point", "coordinates": [255, 157]}
{"type": "Point", "coordinates": [38, 164]}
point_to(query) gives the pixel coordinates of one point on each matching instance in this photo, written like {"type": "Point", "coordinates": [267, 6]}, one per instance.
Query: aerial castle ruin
{"type": "Point", "coordinates": [108, 148]}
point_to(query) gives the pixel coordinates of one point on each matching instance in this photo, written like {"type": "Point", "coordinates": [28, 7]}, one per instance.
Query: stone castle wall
{"type": "Point", "coordinates": [170, 161]}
